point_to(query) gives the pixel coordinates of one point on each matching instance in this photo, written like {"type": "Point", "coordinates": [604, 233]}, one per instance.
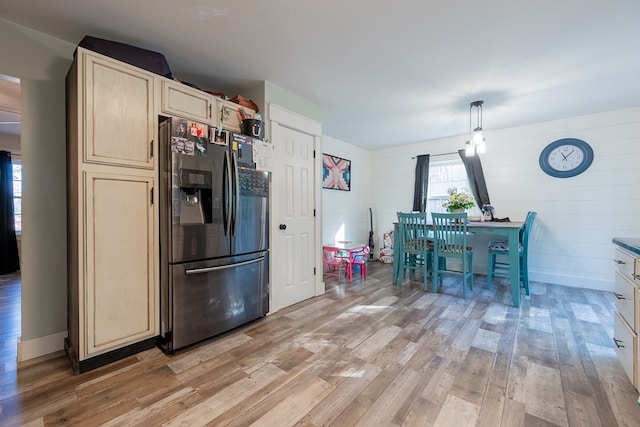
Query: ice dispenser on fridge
{"type": "Point", "coordinates": [195, 196]}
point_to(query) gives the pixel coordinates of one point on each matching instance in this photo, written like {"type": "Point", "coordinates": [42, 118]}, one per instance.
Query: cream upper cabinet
{"type": "Point", "coordinates": [113, 283]}
{"type": "Point", "coordinates": [230, 116]}
{"type": "Point", "coordinates": [184, 101]}
{"type": "Point", "coordinates": [118, 107]}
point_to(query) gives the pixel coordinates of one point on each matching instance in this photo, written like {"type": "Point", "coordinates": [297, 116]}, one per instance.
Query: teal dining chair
{"type": "Point", "coordinates": [450, 241]}
{"type": "Point", "coordinates": [498, 267]}
{"type": "Point", "coordinates": [416, 249]}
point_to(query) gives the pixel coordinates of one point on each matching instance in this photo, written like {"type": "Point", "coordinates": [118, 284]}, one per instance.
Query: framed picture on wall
{"type": "Point", "coordinates": [336, 173]}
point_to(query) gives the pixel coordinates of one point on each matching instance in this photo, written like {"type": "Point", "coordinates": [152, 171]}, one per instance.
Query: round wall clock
{"type": "Point", "coordinates": [566, 157]}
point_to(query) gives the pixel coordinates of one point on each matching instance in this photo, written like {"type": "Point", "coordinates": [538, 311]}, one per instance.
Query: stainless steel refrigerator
{"type": "Point", "coordinates": [214, 241]}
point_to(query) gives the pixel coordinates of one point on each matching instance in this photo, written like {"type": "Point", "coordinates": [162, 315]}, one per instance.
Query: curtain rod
{"type": "Point", "coordinates": [441, 154]}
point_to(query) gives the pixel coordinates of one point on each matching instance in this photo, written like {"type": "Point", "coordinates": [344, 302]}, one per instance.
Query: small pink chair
{"type": "Point", "coordinates": [333, 262]}
{"type": "Point", "coordinates": [359, 258]}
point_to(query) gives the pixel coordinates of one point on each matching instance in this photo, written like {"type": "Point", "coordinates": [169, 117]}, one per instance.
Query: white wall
{"type": "Point", "coordinates": [41, 63]}
{"type": "Point", "coordinates": [345, 214]}
{"type": "Point", "coordinates": [577, 217]}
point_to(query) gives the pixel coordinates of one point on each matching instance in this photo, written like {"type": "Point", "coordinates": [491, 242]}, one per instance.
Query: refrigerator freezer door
{"type": "Point", "coordinates": [212, 297]}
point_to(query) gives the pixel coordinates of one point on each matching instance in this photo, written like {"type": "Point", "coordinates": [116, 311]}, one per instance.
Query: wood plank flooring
{"type": "Point", "coordinates": [366, 353]}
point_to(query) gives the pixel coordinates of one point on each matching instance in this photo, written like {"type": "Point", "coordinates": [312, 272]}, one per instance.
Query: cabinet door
{"type": "Point", "coordinates": [120, 292]}
{"type": "Point", "coordinates": [181, 100]}
{"type": "Point", "coordinates": [230, 117]}
{"type": "Point", "coordinates": [118, 113]}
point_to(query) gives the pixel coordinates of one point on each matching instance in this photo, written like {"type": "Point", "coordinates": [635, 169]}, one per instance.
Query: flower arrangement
{"type": "Point", "coordinates": [487, 209]}
{"type": "Point", "coordinates": [458, 200]}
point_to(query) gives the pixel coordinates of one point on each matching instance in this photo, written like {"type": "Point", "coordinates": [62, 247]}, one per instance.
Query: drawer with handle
{"type": "Point", "coordinates": [626, 294]}
{"type": "Point", "coordinates": [626, 264]}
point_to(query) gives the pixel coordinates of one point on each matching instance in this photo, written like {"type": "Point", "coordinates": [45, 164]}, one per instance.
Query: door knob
{"type": "Point", "coordinates": [283, 226]}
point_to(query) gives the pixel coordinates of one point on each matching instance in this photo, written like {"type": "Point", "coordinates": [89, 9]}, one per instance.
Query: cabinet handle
{"type": "Point", "coordinates": [617, 261]}
{"type": "Point", "coordinates": [619, 296]}
{"type": "Point", "coordinates": [636, 276]}
{"type": "Point", "coordinates": [210, 113]}
{"type": "Point", "coordinates": [617, 343]}
{"type": "Point", "coordinates": [151, 149]}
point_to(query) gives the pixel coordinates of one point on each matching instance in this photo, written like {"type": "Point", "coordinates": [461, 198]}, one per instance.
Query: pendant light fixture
{"type": "Point", "coordinates": [476, 143]}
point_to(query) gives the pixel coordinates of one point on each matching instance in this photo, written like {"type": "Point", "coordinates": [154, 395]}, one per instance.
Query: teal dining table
{"type": "Point", "coordinates": [510, 230]}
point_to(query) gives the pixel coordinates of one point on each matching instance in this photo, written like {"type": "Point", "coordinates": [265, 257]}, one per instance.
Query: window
{"type": "Point", "coordinates": [442, 176]}
{"type": "Point", "coordinates": [17, 193]}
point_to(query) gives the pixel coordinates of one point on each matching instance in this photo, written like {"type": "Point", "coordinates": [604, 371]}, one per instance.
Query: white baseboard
{"type": "Point", "coordinates": [40, 346]}
{"type": "Point", "coordinates": [573, 281]}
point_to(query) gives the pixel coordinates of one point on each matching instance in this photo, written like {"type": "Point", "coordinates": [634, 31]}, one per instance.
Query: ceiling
{"type": "Point", "coordinates": [10, 105]}
{"type": "Point", "coordinates": [384, 73]}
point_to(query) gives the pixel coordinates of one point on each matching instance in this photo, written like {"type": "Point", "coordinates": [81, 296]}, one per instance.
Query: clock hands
{"type": "Point", "coordinates": [567, 156]}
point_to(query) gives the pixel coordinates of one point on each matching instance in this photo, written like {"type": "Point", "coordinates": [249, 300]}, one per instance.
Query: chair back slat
{"type": "Point", "coordinates": [526, 229]}
{"type": "Point", "coordinates": [450, 241]}
{"type": "Point", "coordinates": [450, 233]}
{"type": "Point", "coordinates": [415, 245]}
{"type": "Point", "coordinates": [414, 231]}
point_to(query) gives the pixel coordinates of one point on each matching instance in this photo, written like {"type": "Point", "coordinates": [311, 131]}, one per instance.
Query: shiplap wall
{"type": "Point", "coordinates": [345, 214]}
{"type": "Point", "coordinates": [578, 217]}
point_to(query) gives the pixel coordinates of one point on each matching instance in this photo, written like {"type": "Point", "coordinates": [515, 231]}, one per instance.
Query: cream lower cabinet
{"type": "Point", "coordinates": [627, 316]}
{"type": "Point", "coordinates": [119, 288]}
{"type": "Point", "coordinates": [113, 287]}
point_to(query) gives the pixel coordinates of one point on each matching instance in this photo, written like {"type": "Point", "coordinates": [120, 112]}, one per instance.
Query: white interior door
{"type": "Point", "coordinates": [294, 228]}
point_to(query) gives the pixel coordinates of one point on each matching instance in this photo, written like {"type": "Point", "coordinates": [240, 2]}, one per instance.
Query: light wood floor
{"type": "Point", "coordinates": [366, 354]}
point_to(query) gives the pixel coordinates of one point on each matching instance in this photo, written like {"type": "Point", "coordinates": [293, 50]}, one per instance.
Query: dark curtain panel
{"type": "Point", "coordinates": [476, 178]}
{"type": "Point", "coordinates": [421, 184]}
{"type": "Point", "coordinates": [9, 261]}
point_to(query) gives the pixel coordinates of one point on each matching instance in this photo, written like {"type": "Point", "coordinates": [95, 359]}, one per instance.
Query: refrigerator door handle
{"type": "Point", "coordinates": [226, 203]}
{"type": "Point", "coordinates": [221, 267]}
{"type": "Point", "coordinates": [236, 194]}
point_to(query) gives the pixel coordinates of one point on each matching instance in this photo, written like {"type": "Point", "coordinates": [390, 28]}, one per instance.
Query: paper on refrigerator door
{"type": "Point", "coordinates": [263, 155]}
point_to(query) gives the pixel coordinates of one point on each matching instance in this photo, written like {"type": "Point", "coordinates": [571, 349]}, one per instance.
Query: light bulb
{"type": "Point", "coordinates": [478, 137]}
{"type": "Point", "coordinates": [469, 149]}
{"type": "Point", "coordinates": [481, 148]}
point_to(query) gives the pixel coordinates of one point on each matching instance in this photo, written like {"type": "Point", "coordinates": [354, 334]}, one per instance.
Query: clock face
{"type": "Point", "coordinates": [566, 157]}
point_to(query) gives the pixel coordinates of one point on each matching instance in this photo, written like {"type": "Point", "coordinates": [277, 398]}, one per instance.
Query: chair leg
{"type": "Point", "coordinates": [436, 276]}
{"type": "Point", "coordinates": [425, 272]}
{"type": "Point", "coordinates": [524, 272]}
{"type": "Point", "coordinates": [402, 268]}
{"type": "Point", "coordinates": [470, 255]}
{"type": "Point", "coordinates": [465, 269]}
{"type": "Point", "coordinates": [412, 263]}
{"type": "Point", "coordinates": [491, 265]}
